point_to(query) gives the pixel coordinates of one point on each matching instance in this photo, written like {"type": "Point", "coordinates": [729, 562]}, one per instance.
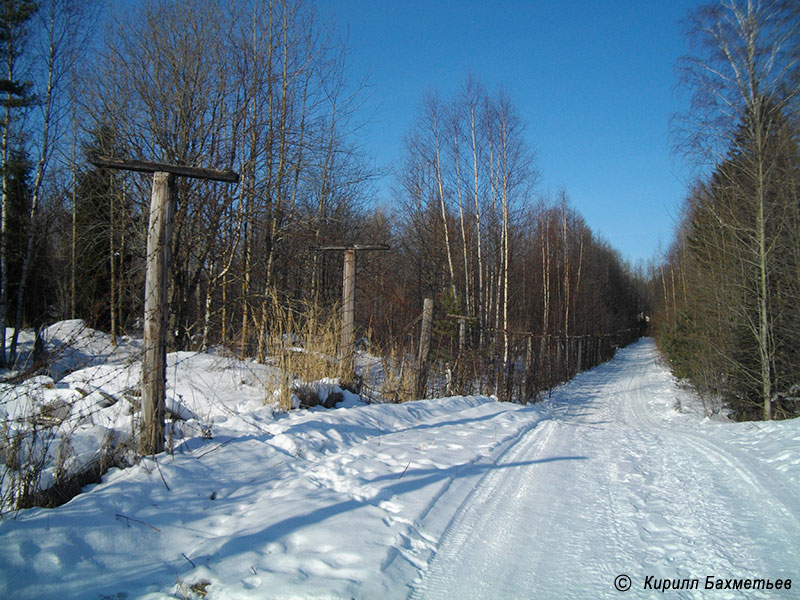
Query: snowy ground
{"type": "Point", "coordinates": [616, 474]}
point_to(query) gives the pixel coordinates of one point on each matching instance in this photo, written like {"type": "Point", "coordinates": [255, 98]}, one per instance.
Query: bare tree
{"type": "Point", "coordinates": [472, 96]}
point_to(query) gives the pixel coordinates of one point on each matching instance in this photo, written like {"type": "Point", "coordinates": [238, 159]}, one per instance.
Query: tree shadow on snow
{"type": "Point", "coordinates": [406, 482]}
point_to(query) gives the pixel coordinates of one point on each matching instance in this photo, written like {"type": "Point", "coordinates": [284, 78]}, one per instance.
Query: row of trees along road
{"type": "Point", "coordinates": [729, 288]}
{"type": "Point", "coordinates": [262, 88]}
{"type": "Point", "coordinates": [545, 298]}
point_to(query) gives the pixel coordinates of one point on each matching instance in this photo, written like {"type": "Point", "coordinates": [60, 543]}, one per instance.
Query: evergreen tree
{"type": "Point", "coordinates": [14, 18]}
{"type": "Point", "coordinates": [104, 214]}
{"type": "Point", "coordinates": [713, 337]}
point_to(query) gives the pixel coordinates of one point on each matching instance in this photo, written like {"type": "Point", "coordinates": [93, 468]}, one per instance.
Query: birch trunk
{"type": "Point", "coordinates": [467, 291]}
{"type": "Point", "coordinates": [41, 165]}
{"type": "Point", "coordinates": [9, 72]}
{"type": "Point", "coordinates": [444, 209]}
{"type": "Point", "coordinates": [478, 235]}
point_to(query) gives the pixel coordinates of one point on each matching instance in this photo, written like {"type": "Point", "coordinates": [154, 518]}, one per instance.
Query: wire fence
{"type": "Point", "coordinates": [70, 380]}
{"type": "Point", "coordinates": [536, 363]}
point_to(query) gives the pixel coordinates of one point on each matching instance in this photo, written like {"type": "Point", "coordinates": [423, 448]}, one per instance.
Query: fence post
{"type": "Point", "coordinates": [348, 315]}
{"type": "Point", "coordinates": [424, 349]}
{"type": "Point", "coordinates": [530, 381]}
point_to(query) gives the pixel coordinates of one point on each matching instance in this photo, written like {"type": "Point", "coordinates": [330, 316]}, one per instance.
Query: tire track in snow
{"type": "Point", "coordinates": [748, 511]}
{"type": "Point", "coordinates": [480, 518]}
{"type": "Point", "coordinates": [544, 530]}
{"type": "Point", "coordinates": [729, 461]}
{"type": "Point", "coordinates": [706, 508]}
{"type": "Point", "coordinates": [421, 537]}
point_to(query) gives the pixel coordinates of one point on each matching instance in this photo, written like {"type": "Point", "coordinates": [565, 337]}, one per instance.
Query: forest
{"type": "Point", "coordinates": [727, 292]}
{"type": "Point", "coordinates": [525, 295]}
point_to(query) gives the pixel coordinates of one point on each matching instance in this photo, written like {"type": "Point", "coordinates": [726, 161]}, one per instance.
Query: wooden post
{"type": "Point", "coordinates": [462, 329]}
{"type": "Point", "coordinates": [530, 381]}
{"type": "Point", "coordinates": [424, 349]}
{"type": "Point", "coordinates": [348, 315]}
{"type": "Point", "coordinates": [156, 286]}
{"type": "Point", "coordinates": [154, 359]}
{"type": "Point", "coordinates": [347, 351]}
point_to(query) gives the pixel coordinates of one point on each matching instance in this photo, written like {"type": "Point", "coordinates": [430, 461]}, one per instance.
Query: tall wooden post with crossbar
{"type": "Point", "coordinates": [156, 309]}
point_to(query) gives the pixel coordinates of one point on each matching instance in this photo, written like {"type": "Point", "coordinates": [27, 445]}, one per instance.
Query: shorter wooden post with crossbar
{"type": "Point", "coordinates": [154, 344]}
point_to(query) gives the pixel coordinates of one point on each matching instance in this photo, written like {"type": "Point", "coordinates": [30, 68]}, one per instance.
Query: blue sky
{"type": "Point", "coordinates": [593, 80]}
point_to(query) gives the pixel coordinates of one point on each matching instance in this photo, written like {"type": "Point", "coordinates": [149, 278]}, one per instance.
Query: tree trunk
{"type": "Point", "coordinates": [443, 208]}
{"type": "Point", "coordinates": [467, 302]}
{"type": "Point", "coordinates": [565, 250]}
{"type": "Point", "coordinates": [112, 259]}
{"type": "Point", "coordinates": [224, 317]}
{"type": "Point", "coordinates": [35, 197]}
{"type": "Point", "coordinates": [74, 241]}
{"type": "Point", "coordinates": [480, 308]}
{"type": "Point", "coordinates": [763, 290]}
{"type": "Point", "coordinates": [5, 208]}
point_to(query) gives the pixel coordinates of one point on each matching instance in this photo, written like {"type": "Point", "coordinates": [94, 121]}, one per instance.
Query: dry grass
{"type": "Point", "coordinates": [303, 343]}
{"type": "Point", "coordinates": [399, 375]}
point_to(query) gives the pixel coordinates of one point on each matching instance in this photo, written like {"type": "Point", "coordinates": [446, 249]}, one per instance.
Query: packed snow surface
{"type": "Point", "coordinates": [617, 473]}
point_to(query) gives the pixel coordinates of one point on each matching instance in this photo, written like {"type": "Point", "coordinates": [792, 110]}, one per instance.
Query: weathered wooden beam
{"type": "Point", "coordinates": [461, 317]}
{"type": "Point", "coordinates": [143, 166]}
{"type": "Point", "coordinates": [347, 351]}
{"type": "Point", "coordinates": [358, 247]}
{"type": "Point", "coordinates": [156, 307]}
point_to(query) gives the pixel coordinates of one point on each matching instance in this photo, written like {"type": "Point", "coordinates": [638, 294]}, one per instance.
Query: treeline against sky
{"type": "Point", "coordinates": [727, 295]}
{"type": "Point", "coordinates": [525, 294]}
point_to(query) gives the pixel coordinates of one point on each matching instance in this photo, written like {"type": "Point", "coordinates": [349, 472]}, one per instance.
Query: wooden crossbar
{"type": "Point", "coordinates": [359, 247]}
{"type": "Point", "coordinates": [143, 166]}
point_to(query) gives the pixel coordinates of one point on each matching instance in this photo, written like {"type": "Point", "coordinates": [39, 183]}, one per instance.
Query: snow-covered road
{"type": "Point", "coordinates": [613, 484]}
{"type": "Point", "coordinates": [616, 474]}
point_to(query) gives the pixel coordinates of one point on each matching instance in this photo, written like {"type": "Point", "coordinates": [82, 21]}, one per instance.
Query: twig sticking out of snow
{"type": "Point", "coordinates": [166, 485]}
{"type": "Point", "coordinates": [131, 519]}
{"type": "Point", "coordinates": [404, 471]}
